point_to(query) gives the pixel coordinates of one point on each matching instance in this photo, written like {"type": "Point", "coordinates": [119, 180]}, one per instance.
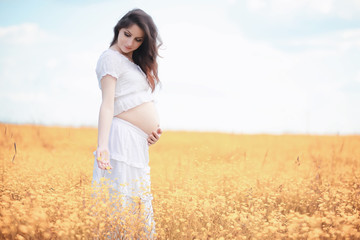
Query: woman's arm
{"type": "Point", "coordinates": [105, 119]}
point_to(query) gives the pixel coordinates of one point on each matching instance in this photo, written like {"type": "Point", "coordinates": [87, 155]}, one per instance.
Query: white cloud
{"type": "Point", "coordinates": [358, 76]}
{"type": "Point", "coordinates": [24, 34]}
{"type": "Point", "coordinates": [255, 5]}
{"type": "Point", "coordinates": [26, 97]}
{"type": "Point", "coordinates": [344, 9]}
{"type": "Point", "coordinates": [52, 63]}
{"type": "Point", "coordinates": [241, 82]}
{"type": "Point", "coordinates": [231, 2]}
{"type": "Point", "coordinates": [334, 42]}
{"type": "Point", "coordinates": [285, 7]}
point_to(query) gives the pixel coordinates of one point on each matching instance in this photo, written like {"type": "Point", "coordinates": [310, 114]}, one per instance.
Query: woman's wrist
{"type": "Point", "coordinates": [102, 148]}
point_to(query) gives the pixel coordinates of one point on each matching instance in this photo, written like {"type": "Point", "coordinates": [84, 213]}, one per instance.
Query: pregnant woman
{"type": "Point", "coordinates": [128, 121]}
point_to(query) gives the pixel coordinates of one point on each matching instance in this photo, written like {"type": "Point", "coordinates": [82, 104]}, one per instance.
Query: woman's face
{"type": "Point", "coordinates": [130, 39]}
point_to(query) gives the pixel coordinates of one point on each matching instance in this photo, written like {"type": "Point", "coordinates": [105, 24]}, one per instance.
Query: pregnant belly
{"type": "Point", "coordinates": [143, 116]}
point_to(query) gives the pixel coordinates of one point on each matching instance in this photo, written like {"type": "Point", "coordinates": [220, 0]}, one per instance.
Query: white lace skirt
{"type": "Point", "coordinates": [130, 175]}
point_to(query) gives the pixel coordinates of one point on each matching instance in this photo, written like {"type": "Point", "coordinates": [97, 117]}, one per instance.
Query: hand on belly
{"type": "Point", "coordinates": [143, 116]}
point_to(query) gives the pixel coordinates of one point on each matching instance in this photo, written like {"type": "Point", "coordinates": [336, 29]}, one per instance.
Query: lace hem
{"type": "Point", "coordinates": [129, 101]}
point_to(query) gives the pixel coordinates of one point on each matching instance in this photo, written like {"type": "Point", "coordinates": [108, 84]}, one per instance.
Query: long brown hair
{"type": "Point", "coordinates": [145, 56]}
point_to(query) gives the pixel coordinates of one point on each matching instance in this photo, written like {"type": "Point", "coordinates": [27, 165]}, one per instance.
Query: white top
{"type": "Point", "coordinates": [132, 88]}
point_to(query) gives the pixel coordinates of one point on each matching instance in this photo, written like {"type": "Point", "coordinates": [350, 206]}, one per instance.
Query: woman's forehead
{"type": "Point", "coordinates": [135, 30]}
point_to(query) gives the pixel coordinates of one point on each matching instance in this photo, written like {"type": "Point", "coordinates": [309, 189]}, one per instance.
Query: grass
{"type": "Point", "coordinates": [205, 186]}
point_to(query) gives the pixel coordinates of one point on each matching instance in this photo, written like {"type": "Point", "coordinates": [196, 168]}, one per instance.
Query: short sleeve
{"type": "Point", "coordinates": [108, 64]}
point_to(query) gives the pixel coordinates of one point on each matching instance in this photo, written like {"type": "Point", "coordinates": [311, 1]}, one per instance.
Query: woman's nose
{"type": "Point", "coordinates": [129, 43]}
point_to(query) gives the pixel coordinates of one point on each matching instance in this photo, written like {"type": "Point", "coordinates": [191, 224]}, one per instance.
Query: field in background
{"type": "Point", "coordinates": [205, 185]}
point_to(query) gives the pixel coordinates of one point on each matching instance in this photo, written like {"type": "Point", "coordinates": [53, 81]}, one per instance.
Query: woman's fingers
{"type": "Point", "coordinates": [108, 166]}
{"type": "Point", "coordinates": [104, 165]}
{"type": "Point", "coordinates": [150, 141]}
{"type": "Point", "coordinates": [100, 164]}
{"type": "Point", "coordinates": [154, 136]}
{"type": "Point", "coordinates": [103, 160]}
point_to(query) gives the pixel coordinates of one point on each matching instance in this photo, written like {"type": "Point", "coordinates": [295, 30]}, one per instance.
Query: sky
{"type": "Point", "coordinates": [238, 66]}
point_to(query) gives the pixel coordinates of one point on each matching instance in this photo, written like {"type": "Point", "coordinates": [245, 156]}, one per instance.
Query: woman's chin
{"type": "Point", "coordinates": [126, 51]}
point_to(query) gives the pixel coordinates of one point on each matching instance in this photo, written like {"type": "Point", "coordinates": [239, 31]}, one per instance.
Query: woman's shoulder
{"type": "Point", "coordinates": [109, 63]}
{"type": "Point", "coordinates": [110, 55]}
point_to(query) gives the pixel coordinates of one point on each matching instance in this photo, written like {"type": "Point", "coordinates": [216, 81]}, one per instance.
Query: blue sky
{"type": "Point", "coordinates": [249, 66]}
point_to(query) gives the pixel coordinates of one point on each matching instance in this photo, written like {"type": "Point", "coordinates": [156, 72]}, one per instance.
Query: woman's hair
{"type": "Point", "coordinates": [145, 56]}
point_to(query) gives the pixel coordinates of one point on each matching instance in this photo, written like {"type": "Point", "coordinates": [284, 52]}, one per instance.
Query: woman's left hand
{"type": "Point", "coordinates": [154, 136]}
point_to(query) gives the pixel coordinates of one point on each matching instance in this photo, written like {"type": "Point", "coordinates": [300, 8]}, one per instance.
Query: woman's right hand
{"type": "Point", "coordinates": [103, 159]}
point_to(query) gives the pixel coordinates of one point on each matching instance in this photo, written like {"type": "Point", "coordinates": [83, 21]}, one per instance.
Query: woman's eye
{"type": "Point", "coordinates": [126, 34]}
{"type": "Point", "coordinates": [138, 40]}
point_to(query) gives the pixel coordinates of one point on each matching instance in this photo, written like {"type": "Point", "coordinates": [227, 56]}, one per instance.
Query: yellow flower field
{"type": "Point", "coordinates": [205, 185]}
